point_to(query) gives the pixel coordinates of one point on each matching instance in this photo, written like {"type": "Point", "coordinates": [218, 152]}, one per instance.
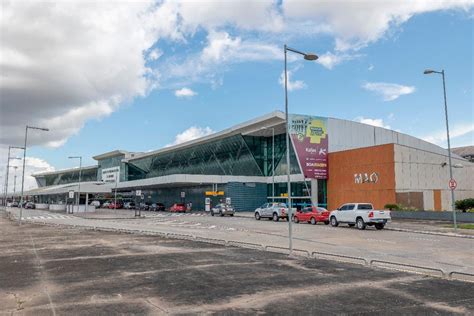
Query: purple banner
{"type": "Point", "coordinates": [310, 142]}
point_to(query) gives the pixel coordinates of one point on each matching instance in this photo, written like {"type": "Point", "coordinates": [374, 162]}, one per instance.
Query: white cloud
{"type": "Point", "coordinates": [154, 54]}
{"type": "Point", "coordinates": [373, 122]}
{"type": "Point", "coordinates": [185, 93]}
{"type": "Point", "coordinates": [32, 165]}
{"type": "Point", "coordinates": [371, 67]}
{"type": "Point", "coordinates": [329, 60]}
{"type": "Point", "coordinates": [221, 50]}
{"type": "Point", "coordinates": [439, 137]}
{"type": "Point", "coordinates": [355, 24]}
{"type": "Point", "coordinates": [388, 91]}
{"type": "Point", "coordinates": [292, 85]}
{"type": "Point", "coordinates": [191, 133]}
{"type": "Point", "coordinates": [60, 69]}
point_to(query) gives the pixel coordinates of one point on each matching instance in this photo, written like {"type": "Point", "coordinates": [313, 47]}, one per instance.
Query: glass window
{"type": "Point", "coordinates": [364, 207]}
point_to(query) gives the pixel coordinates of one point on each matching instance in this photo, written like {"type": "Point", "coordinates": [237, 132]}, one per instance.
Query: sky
{"type": "Point", "coordinates": [139, 76]}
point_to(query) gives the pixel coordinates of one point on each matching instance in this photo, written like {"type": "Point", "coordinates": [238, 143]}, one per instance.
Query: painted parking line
{"type": "Point", "coordinates": [47, 217]}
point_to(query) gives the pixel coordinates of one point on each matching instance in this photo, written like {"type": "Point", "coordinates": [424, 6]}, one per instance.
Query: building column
{"type": "Point", "coordinates": [314, 192]}
{"type": "Point", "coordinates": [87, 200]}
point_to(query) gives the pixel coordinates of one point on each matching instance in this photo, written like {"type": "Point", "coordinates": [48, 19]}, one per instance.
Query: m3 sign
{"type": "Point", "coordinates": [360, 178]}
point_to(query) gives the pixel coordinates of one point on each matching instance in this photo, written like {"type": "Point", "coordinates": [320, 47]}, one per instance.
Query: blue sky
{"type": "Point", "coordinates": [231, 71]}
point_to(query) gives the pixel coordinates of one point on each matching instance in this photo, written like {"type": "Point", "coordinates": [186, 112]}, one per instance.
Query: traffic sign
{"type": "Point", "coordinates": [452, 184]}
{"type": "Point", "coordinates": [71, 194]}
{"type": "Point", "coordinates": [138, 192]}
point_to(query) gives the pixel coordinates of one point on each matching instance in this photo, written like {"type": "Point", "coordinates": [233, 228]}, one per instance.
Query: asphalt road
{"type": "Point", "coordinates": [64, 271]}
{"type": "Point", "coordinates": [432, 251]}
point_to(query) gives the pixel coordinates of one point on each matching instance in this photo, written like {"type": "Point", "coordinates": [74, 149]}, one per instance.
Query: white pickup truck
{"type": "Point", "coordinates": [360, 214]}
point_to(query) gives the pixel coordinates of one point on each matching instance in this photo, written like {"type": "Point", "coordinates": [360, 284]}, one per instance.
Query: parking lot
{"type": "Point", "coordinates": [60, 270]}
{"type": "Point", "coordinates": [449, 254]}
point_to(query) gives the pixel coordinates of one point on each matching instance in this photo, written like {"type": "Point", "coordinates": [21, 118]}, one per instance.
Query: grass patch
{"type": "Point", "coordinates": [466, 226]}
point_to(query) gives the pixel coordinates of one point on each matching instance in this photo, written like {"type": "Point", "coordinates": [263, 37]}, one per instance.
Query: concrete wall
{"type": "Point", "coordinates": [419, 170]}
{"type": "Point", "coordinates": [345, 166]}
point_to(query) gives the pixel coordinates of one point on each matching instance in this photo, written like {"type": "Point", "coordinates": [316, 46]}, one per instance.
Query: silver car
{"type": "Point", "coordinates": [223, 209]}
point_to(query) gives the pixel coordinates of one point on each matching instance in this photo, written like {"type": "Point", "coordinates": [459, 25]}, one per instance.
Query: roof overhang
{"type": "Point", "coordinates": [253, 127]}
{"type": "Point", "coordinates": [63, 171]}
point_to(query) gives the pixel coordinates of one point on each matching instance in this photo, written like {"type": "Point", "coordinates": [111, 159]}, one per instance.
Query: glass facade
{"type": "Point", "coordinates": [112, 162]}
{"type": "Point", "coordinates": [89, 174]}
{"type": "Point", "coordinates": [235, 155]}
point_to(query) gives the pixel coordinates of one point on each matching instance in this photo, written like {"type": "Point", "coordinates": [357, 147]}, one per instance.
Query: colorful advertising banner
{"type": "Point", "coordinates": [310, 141]}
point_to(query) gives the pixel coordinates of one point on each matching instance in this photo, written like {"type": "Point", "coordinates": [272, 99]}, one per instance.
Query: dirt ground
{"type": "Point", "coordinates": [63, 271]}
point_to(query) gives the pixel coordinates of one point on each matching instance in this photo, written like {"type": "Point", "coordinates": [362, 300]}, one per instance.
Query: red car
{"type": "Point", "coordinates": [178, 207]}
{"type": "Point", "coordinates": [112, 205]}
{"type": "Point", "coordinates": [312, 215]}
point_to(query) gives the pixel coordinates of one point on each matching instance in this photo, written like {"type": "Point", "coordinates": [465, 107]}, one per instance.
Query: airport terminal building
{"type": "Point", "coordinates": [332, 161]}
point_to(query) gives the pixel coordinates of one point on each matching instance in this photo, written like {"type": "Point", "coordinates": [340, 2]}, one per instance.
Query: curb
{"type": "Point", "coordinates": [427, 232]}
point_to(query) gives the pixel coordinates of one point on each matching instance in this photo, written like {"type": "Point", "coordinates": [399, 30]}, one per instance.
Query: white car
{"type": "Point", "coordinates": [273, 211]}
{"type": "Point", "coordinates": [360, 214]}
{"type": "Point", "coordinates": [95, 203]}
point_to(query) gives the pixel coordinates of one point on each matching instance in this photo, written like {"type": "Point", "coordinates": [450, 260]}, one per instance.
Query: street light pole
{"type": "Point", "coordinates": [8, 170]}
{"type": "Point", "coordinates": [23, 171]}
{"type": "Point", "coordinates": [307, 56]}
{"type": "Point", "coordinates": [78, 199]}
{"type": "Point", "coordinates": [453, 202]}
{"type": "Point", "coordinates": [14, 179]}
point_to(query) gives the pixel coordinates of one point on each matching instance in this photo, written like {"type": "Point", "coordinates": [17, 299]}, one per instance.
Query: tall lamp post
{"type": "Point", "coordinates": [310, 57]}
{"type": "Point", "coordinates": [14, 179]}
{"type": "Point", "coordinates": [8, 169]}
{"type": "Point", "coordinates": [78, 199]}
{"type": "Point", "coordinates": [23, 171]}
{"type": "Point", "coordinates": [453, 205]}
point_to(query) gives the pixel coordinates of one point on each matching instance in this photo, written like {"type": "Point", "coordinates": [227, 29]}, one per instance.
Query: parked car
{"type": "Point", "coordinates": [312, 215]}
{"type": "Point", "coordinates": [129, 205]}
{"type": "Point", "coordinates": [95, 203]}
{"type": "Point", "coordinates": [115, 205]}
{"type": "Point", "coordinates": [145, 206]}
{"type": "Point", "coordinates": [273, 211]}
{"type": "Point", "coordinates": [360, 214]}
{"type": "Point", "coordinates": [223, 209]}
{"type": "Point", "coordinates": [30, 205]}
{"type": "Point", "coordinates": [155, 207]}
{"type": "Point", "coordinates": [178, 207]}
{"type": "Point", "coordinates": [14, 204]}
{"type": "Point", "coordinates": [106, 204]}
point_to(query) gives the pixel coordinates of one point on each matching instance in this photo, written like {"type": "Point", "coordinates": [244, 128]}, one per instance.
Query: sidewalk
{"type": "Point", "coordinates": [414, 226]}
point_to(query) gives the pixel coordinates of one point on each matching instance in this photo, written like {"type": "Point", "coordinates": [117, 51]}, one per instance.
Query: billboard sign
{"type": "Point", "coordinates": [111, 175]}
{"type": "Point", "coordinates": [309, 136]}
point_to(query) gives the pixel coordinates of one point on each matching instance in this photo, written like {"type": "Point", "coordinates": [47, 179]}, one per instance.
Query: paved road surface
{"type": "Point", "coordinates": [446, 253]}
{"type": "Point", "coordinates": [65, 271]}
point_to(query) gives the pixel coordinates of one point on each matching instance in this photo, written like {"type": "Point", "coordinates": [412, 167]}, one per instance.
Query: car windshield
{"type": "Point", "coordinates": [365, 207]}
{"type": "Point", "coordinates": [180, 204]}
{"type": "Point", "coordinates": [279, 205]}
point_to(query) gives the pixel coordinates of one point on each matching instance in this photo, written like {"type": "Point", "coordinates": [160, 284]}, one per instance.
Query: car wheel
{"type": "Point", "coordinates": [360, 223]}
{"type": "Point", "coordinates": [334, 222]}
{"type": "Point", "coordinates": [296, 220]}
{"type": "Point", "coordinates": [221, 214]}
{"type": "Point", "coordinates": [326, 223]}
{"type": "Point", "coordinates": [231, 215]}
{"type": "Point", "coordinates": [379, 226]}
{"type": "Point", "coordinates": [313, 221]}
{"type": "Point", "coordinates": [257, 216]}
{"type": "Point", "coordinates": [351, 225]}
{"type": "Point", "coordinates": [275, 217]}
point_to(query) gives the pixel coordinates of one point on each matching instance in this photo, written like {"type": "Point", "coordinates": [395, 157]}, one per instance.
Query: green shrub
{"type": "Point", "coordinates": [392, 207]}
{"type": "Point", "coordinates": [465, 205]}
